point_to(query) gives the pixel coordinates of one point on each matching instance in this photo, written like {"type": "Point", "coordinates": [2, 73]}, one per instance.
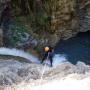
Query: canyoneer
{"type": "Point", "coordinates": [48, 54]}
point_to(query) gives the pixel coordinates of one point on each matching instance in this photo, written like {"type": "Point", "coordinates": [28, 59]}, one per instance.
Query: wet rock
{"type": "Point", "coordinates": [8, 72]}
{"type": "Point", "coordinates": [9, 79]}
{"type": "Point", "coordinates": [29, 73]}
{"type": "Point", "coordinates": [67, 34]}
{"type": "Point", "coordinates": [25, 37]}
{"type": "Point", "coordinates": [34, 42]}
{"type": "Point", "coordinates": [14, 72]}
{"type": "Point", "coordinates": [85, 19]}
{"type": "Point", "coordinates": [82, 67]}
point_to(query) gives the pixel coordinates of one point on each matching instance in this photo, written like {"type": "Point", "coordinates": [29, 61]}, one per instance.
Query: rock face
{"type": "Point", "coordinates": [15, 72]}
{"type": "Point", "coordinates": [70, 17]}
{"type": "Point", "coordinates": [62, 19]}
{"type": "Point", "coordinates": [66, 19]}
{"type": "Point", "coordinates": [84, 15]}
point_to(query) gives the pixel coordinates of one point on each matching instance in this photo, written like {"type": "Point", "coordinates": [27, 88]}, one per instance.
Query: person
{"type": "Point", "coordinates": [5, 20]}
{"type": "Point", "coordinates": [48, 54]}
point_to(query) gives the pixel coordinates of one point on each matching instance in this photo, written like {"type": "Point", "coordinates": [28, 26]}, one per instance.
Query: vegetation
{"type": "Point", "coordinates": [39, 16]}
{"type": "Point", "coordinates": [37, 10]}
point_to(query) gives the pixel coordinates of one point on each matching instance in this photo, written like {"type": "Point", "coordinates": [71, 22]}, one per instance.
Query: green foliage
{"type": "Point", "coordinates": [41, 17]}
{"type": "Point", "coordinates": [16, 33]}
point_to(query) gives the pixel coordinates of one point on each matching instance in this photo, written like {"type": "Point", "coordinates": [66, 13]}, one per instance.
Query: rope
{"type": "Point", "coordinates": [43, 71]}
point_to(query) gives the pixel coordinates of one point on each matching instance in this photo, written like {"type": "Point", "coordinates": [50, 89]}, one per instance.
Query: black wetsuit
{"type": "Point", "coordinates": [49, 55]}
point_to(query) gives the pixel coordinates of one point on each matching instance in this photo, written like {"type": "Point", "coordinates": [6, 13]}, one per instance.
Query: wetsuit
{"type": "Point", "coordinates": [48, 55]}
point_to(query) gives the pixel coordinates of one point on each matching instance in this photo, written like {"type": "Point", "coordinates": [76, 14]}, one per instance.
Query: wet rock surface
{"type": "Point", "coordinates": [84, 15]}
{"type": "Point", "coordinates": [14, 72]}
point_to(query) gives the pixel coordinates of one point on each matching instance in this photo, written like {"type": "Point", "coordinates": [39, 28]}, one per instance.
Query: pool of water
{"type": "Point", "coordinates": [76, 48]}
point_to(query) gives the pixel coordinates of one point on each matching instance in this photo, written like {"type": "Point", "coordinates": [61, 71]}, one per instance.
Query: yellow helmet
{"type": "Point", "coordinates": [46, 49]}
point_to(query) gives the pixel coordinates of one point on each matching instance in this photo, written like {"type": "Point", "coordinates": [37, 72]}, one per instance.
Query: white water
{"type": "Point", "coordinates": [63, 84]}
{"type": "Point", "coordinates": [20, 53]}
{"type": "Point", "coordinates": [57, 59]}
{"type": "Point", "coordinates": [15, 52]}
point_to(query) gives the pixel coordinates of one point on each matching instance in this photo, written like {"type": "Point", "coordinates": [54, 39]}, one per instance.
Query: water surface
{"type": "Point", "coordinates": [76, 48]}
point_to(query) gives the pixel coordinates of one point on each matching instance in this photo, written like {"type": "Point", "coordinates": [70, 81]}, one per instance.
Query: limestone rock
{"type": "Point", "coordinates": [15, 72]}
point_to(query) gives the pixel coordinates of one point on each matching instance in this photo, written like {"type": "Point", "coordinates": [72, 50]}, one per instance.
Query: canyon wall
{"type": "Point", "coordinates": [70, 17]}
{"type": "Point", "coordinates": [65, 19]}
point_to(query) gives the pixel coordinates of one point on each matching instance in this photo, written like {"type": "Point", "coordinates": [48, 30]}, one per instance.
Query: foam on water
{"type": "Point", "coordinates": [57, 59]}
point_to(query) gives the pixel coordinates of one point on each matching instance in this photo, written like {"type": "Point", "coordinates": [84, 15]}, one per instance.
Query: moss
{"type": "Point", "coordinates": [16, 33]}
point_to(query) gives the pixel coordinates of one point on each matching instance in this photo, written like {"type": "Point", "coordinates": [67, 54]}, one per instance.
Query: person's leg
{"type": "Point", "coordinates": [44, 57]}
{"type": "Point", "coordinates": [51, 61]}
{"type": "Point", "coordinates": [43, 60]}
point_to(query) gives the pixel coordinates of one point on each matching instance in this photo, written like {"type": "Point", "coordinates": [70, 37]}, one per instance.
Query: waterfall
{"type": "Point", "coordinates": [20, 53]}
{"type": "Point", "coordinates": [57, 59]}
